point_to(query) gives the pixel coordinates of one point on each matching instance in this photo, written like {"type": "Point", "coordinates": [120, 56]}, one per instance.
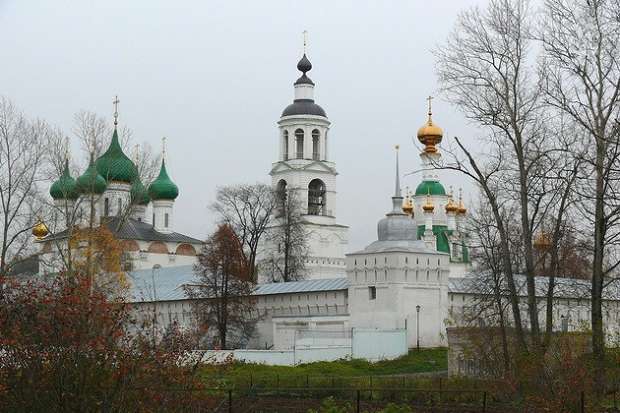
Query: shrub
{"type": "Point", "coordinates": [65, 346]}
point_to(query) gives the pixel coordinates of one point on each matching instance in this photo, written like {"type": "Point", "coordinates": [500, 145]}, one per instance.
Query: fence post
{"type": "Point", "coordinates": [251, 381]}
{"type": "Point", "coordinates": [307, 381]}
{"type": "Point", "coordinates": [583, 403]}
{"type": "Point", "coordinates": [440, 388]}
{"type": "Point", "coordinates": [484, 402]}
{"type": "Point", "coordinates": [370, 387]}
{"type": "Point", "coordinates": [230, 401]}
{"type": "Point", "coordinates": [357, 408]}
{"type": "Point", "coordinates": [277, 382]}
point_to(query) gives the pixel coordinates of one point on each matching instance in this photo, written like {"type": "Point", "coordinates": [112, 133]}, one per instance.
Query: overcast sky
{"type": "Point", "coordinates": [214, 77]}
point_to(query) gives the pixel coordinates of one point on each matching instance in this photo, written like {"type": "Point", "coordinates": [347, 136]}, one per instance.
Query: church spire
{"type": "Point", "coordinates": [397, 192]}
{"type": "Point", "coordinates": [397, 199]}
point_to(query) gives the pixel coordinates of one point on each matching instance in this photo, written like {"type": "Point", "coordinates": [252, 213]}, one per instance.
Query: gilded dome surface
{"type": "Point", "coordinates": [40, 230]}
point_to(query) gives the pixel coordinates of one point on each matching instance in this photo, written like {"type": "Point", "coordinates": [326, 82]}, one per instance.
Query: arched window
{"type": "Point", "coordinates": [106, 207]}
{"type": "Point", "coordinates": [299, 143]}
{"type": "Point", "coordinates": [316, 197]}
{"type": "Point", "coordinates": [316, 146]}
{"type": "Point", "coordinates": [166, 220]}
{"type": "Point", "coordinates": [120, 207]}
{"type": "Point", "coordinates": [281, 196]}
{"type": "Point", "coordinates": [285, 145]}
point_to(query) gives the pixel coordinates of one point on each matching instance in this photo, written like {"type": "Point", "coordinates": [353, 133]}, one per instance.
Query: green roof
{"type": "Point", "coordinates": [443, 243]}
{"type": "Point", "coordinates": [65, 186]}
{"type": "Point", "coordinates": [430, 188]}
{"type": "Point", "coordinates": [114, 165]}
{"type": "Point", "coordinates": [441, 235]}
{"type": "Point", "coordinates": [91, 182]}
{"type": "Point", "coordinates": [139, 194]}
{"type": "Point", "coordinates": [163, 187]}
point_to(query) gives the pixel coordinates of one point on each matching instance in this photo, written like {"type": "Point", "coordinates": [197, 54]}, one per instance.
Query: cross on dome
{"type": "Point", "coordinates": [115, 102]}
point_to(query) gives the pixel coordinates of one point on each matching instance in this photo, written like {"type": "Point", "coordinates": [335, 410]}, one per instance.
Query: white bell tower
{"type": "Point", "coordinates": [304, 166]}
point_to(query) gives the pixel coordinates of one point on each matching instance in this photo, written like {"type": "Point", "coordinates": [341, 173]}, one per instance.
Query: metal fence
{"type": "Point", "coordinates": [296, 399]}
{"type": "Point", "coordinates": [299, 395]}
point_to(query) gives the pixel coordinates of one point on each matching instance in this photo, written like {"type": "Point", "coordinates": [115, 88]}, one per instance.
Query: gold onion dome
{"type": "Point", "coordinates": [408, 206]}
{"type": "Point", "coordinates": [462, 210]}
{"type": "Point", "coordinates": [40, 230]}
{"type": "Point", "coordinates": [451, 206]}
{"type": "Point", "coordinates": [430, 134]}
{"type": "Point", "coordinates": [542, 241]}
{"type": "Point", "coordinates": [428, 206]}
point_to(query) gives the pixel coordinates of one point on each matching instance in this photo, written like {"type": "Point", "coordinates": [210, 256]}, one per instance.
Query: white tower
{"type": "Point", "coordinates": [305, 169]}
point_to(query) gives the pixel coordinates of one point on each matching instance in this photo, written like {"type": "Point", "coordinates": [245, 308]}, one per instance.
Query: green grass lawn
{"type": "Point", "coordinates": [325, 373]}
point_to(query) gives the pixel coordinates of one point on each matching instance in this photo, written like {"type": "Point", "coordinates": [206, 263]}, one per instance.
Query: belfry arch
{"type": "Point", "coordinates": [316, 197]}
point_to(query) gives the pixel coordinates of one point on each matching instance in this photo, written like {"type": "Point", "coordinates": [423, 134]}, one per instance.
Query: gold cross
{"type": "Point", "coordinates": [163, 147]}
{"type": "Point", "coordinates": [429, 99]}
{"type": "Point", "coordinates": [115, 102]}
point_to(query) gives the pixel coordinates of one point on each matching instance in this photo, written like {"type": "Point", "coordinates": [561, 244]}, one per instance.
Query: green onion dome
{"type": "Point", "coordinates": [91, 182]}
{"type": "Point", "coordinates": [139, 194]}
{"type": "Point", "coordinates": [65, 186]}
{"type": "Point", "coordinates": [163, 187]}
{"type": "Point", "coordinates": [430, 188]}
{"type": "Point", "coordinates": [114, 165]}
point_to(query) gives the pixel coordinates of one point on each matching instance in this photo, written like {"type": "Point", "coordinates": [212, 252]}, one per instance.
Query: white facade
{"type": "Point", "coordinates": [304, 168]}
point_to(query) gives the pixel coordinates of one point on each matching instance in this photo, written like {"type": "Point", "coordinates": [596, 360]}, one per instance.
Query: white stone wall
{"type": "Point", "coordinates": [401, 281]}
{"type": "Point", "coordinates": [464, 310]}
{"type": "Point", "coordinates": [294, 307]}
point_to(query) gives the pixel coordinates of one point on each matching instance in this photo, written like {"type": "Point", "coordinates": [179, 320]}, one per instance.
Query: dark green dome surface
{"type": "Point", "coordinates": [114, 165]}
{"type": "Point", "coordinates": [91, 181]}
{"type": "Point", "coordinates": [163, 187]}
{"type": "Point", "coordinates": [65, 187]}
{"type": "Point", "coordinates": [430, 188]}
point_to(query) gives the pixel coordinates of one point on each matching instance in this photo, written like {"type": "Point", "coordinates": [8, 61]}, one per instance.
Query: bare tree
{"type": "Point", "coordinates": [94, 133]}
{"type": "Point", "coordinates": [488, 286]}
{"type": "Point", "coordinates": [247, 209]}
{"type": "Point", "coordinates": [288, 240]}
{"type": "Point", "coordinates": [223, 292]}
{"type": "Point", "coordinates": [22, 144]}
{"type": "Point", "coordinates": [485, 69]}
{"type": "Point", "coordinates": [581, 44]}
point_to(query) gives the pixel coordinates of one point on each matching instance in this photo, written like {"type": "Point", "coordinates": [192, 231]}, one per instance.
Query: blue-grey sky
{"type": "Point", "coordinates": [214, 76]}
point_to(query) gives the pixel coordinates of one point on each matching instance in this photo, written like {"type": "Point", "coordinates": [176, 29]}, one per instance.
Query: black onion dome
{"type": "Point", "coordinates": [304, 80]}
{"type": "Point", "coordinates": [304, 107]}
{"type": "Point", "coordinates": [304, 64]}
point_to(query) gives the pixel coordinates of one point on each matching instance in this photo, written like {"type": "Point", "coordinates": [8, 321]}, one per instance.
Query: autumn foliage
{"type": "Point", "coordinates": [67, 346]}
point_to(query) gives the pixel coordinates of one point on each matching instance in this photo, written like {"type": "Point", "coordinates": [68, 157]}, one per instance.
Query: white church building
{"type": "Point", "coordinates": [414, 278]}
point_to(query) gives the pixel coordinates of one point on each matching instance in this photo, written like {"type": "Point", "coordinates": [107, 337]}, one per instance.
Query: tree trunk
{"type": "Point", "coordinates": [598, 337]}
